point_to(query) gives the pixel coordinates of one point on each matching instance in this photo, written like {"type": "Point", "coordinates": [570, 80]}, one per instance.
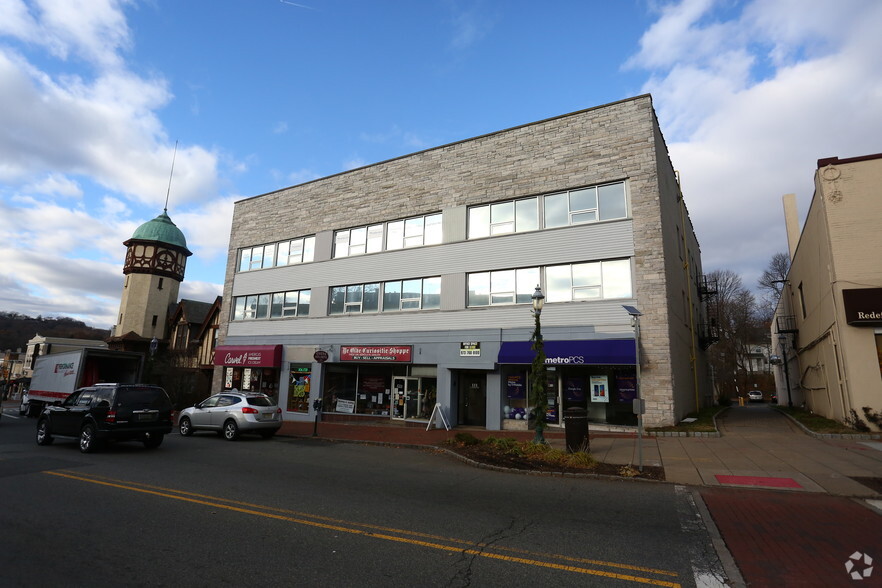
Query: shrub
{"type": "Point", "coordinates": [466, 439]}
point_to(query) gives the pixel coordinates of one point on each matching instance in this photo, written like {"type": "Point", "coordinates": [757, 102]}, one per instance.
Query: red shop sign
{"type": "Point", "coordinates": [376, 353]}
{"type": "Point", "coordinates": [249, 355]}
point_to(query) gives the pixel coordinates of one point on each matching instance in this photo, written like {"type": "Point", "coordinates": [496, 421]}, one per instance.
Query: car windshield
{"type": "Point", "coordinates": [143, 397]}
{"type": "Point", "coordinates": [260, 401]}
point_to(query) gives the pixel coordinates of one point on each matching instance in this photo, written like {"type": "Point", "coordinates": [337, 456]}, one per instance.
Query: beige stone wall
{"type": "Point", "coordinates": [141, 300]}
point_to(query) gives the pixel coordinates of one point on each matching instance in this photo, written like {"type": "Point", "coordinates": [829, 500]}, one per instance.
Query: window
{"type": "Point", "coordinates": [159, 286]}
{"type": "Point", "coordinates": [295, 251]}
{"type": "Point", "coordinates": [411, 232]}
{"type": "Point", "coordinates": [503, 217]}
{"type": "Point", "coordinates": [275, 305]}
{"type": "Point", "coordinates": [588, 281]}
{"type": "Point", "coordinates": [419, 294]}
{"type": "Point", "coordinates": [503, 287]}
{"type": "Point", "coordinates": [299, 250]}
{"type": "Point", "coordinates": [355, 298]}
{"type": "Point", "coordinates": [563, 283]}
{"type": "Point", "coordinates": [287, 304]}
{"type": "Point", "coordinates": [358, 241]}
{"type": "Point", "coordinates": [416, 294]}
{"type": "Point", "coordinates": [584, 205]}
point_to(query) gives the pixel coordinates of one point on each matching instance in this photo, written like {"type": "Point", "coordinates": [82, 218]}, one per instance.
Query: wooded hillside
{"type": "Point", "coordinates": [16, 330]}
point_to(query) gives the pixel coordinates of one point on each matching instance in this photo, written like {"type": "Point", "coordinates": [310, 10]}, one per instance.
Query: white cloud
{"type": "Point", "coordinates": [94, 31]}
{"type": "Point", "coordinates": [54, 185]}
{"type": "Point", "coordinates": [746, 121]}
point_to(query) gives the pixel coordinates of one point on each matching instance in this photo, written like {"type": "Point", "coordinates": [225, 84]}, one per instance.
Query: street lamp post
{"type": "Point", "coordinates": [639, 407]}
{"type": "Point", "coordinates": [782, 339]}
{"type": "Point", "coordinates": [540, 395]}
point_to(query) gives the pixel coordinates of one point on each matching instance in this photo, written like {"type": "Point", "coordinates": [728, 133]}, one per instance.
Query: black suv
{"type": "Point", "coordinates": [121, 412]}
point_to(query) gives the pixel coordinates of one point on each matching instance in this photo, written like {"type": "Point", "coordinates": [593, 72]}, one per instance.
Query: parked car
{"type": "Point", "coordinates": [118, 412]}
{"type": "Point", "coordinates": [232, 413]}
{"type": "Point", "coordinates": [755, 396]}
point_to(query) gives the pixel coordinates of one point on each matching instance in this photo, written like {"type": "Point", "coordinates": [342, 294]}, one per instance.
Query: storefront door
{"type": "Point", "coordinates": [472, 399]}
{"type": "Point", "coordinates": [405, 398]}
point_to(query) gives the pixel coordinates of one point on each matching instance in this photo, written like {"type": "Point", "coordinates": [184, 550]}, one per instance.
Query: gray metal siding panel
{"type": "Point", "coordinates": [549, 247]}
{"type": "Point", "coordinates": [601, 315]}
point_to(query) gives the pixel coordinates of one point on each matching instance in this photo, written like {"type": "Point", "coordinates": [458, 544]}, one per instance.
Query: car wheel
{"type": "Point", "coordinates": [43, 435]}
{"type": "Point", "coordinates": [231, 430]}
{"type": "Point", "coordinates": [185, 427]}
{"type": "Point", "coordinates": [267, 434]}
{"type": "Point", "coordinates": [87, 439]}
{"type": "Point", "coordinates": [153, 440]}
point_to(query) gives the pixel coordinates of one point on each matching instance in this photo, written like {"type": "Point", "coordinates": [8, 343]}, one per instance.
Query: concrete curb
{"type": "Point", "coordinates": [810, 433]}
{"type": "Point", "coordinates": [714, 433]}
{"type": "Point", "coordinates": [479, 464]}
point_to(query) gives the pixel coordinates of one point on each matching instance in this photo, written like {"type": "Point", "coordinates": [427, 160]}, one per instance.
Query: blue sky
{"type": "Point", "coordinates": [264, 94]}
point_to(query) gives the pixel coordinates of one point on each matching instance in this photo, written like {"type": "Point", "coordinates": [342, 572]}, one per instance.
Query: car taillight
{"type": "Point", "coordinates": [111, 417]}
{"type": "Point", "coordinates": [249, 410]}
{"type": "Point", "coordinates": [279, 410]}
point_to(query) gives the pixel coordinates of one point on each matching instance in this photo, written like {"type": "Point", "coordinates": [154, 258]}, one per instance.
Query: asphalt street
{"type": "Point", "coordinates": [203, 511]}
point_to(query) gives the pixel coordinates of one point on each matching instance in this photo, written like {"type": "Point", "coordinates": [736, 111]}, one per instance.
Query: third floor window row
{"type": "Point", "coordinates": [573, 207]}
{"type": "Point", "coordinates": [300, 250]}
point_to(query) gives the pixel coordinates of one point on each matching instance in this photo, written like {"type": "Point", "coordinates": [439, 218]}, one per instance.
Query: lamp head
{"type": "Point", "coordinates": [538, 299]}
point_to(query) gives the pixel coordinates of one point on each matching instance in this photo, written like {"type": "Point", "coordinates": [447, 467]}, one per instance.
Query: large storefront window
{"type": "Point", "coordinates": [390, 391]}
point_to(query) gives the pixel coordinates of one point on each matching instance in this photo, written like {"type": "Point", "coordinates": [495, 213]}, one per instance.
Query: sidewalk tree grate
{"type": "Point", "coordinates": [758, 481]}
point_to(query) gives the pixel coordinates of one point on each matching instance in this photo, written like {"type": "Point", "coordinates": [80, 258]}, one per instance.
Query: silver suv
{"type": "Point", "coordinates": [232, 413]}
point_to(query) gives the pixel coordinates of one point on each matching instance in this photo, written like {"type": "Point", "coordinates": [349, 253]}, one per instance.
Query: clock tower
{"type": "Point", "coordinates": [154, 269]}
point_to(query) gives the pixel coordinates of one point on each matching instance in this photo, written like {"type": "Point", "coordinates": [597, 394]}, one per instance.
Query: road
{"type": "Point", "coordinates": [202, 511]}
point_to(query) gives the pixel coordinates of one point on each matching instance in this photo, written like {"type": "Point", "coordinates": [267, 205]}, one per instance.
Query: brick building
{"type": "Point", "coordinates": [397, 287]}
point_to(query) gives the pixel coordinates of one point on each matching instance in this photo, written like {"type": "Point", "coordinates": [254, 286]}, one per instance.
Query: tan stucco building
{"type": "Point", "coordinates": [828, 323]}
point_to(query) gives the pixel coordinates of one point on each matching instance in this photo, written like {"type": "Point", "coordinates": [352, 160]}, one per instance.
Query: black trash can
{"type": "Point", "coordinates": [576, 426]}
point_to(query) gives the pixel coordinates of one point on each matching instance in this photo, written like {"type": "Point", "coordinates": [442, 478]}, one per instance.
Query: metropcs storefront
{"type": "Point", "coordinates": [598, 376]}
{"type": "Point", "coordinates": [481, 383]}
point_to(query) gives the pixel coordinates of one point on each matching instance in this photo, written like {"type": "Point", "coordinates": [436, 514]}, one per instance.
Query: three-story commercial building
{"type": "Point", "coordinates": [404, 288]}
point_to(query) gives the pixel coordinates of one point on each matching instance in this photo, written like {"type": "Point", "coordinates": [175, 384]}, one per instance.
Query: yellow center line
{"type": "Point", "coordinates": [346, 527]}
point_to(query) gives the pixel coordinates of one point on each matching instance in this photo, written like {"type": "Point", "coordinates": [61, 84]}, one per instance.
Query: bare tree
{"type": "Point", "coordinates": [739, 327]}
{"type": "Point", "coordinates": [771, 285]}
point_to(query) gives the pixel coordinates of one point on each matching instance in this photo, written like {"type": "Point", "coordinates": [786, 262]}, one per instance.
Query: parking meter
{"type": "Point", "coordinates": [317, 407]}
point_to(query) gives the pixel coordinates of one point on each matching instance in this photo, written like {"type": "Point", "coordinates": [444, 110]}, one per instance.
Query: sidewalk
{"type": "Point", "coordinates": [759, 447]}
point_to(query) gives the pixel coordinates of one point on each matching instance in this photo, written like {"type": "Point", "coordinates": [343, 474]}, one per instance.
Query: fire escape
{"type": "Point", "coordinates": [709, 332]}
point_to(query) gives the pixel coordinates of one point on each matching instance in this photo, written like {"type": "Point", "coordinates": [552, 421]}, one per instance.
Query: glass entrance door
{"type": "Point", "coordinates": [406, 399]}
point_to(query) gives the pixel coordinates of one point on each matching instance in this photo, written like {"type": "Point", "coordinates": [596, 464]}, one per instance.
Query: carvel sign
{"type": "Point", "coordinates": [249, 356]}
{"type": "Point", "coordinates": [379, 353]}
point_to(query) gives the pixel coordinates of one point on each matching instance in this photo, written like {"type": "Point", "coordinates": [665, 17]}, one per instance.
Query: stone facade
{"type": "Point", "coordinates": [614, 142]}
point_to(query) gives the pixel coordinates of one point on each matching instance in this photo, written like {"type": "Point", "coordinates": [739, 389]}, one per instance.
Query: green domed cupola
{"type": "Point", "coordinates": [161, 229]}
{"type": "Point", "coordinates": [157, 247]}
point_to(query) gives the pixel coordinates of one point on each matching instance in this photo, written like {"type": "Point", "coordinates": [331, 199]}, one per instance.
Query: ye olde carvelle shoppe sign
{"type": "Point", "coordinates": [376, 353]}
{"type": "Point", "coordinates": [863, 306]}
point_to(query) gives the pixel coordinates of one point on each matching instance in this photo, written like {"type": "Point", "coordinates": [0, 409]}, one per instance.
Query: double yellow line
{"type": "Point", "coordinates": [573, 564]}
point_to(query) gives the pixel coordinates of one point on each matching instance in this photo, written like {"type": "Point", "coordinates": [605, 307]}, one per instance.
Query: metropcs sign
{"type": "Point", "coordinates": [377, 353]}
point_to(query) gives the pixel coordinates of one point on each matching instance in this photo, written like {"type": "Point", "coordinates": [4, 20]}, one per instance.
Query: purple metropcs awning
{"type": "Point", "coordinates": [599, 352]}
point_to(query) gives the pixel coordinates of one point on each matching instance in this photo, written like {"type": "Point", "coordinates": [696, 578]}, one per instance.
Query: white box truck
{"type": "Point", "coordinates": [58, 374]}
